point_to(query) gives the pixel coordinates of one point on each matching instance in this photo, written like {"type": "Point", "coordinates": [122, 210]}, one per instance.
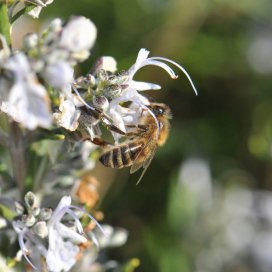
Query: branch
{"type": "Point", "coordinates": [17, 154]}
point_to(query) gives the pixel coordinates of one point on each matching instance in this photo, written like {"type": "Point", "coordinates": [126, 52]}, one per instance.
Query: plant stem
{"type": "Point", "coordinates": [17, 154]}
{"type": "Point", "coordinates": [4, 22]}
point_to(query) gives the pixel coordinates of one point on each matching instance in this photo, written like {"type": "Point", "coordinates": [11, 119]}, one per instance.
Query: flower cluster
{"type": "Point", "coordinates": [106, 90]}
{"type": "Point", "coordinates": [48, 234]}
{"type": "Point", "coordinates": [45, 65]}
{"type": "Point", "coordinates": [39, 88]}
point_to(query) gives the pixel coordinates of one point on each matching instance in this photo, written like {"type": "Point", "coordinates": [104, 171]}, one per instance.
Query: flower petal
{"type": "Point", "coordinates": [143, 86]}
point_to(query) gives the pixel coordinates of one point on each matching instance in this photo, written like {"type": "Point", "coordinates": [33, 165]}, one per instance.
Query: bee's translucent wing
{"type": "Point", "coordinates": [140, 159]}
{"type": "Point", "coordinates": [146, 164]}
{"type": "Point", "coordinates": [135, 167]}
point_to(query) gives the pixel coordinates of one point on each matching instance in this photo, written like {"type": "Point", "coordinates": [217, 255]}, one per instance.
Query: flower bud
{"type": "Point", "coordinates": [100, 102]}
{"type": "Point", "coordinates": [35, 211]}
{"type": "Point", "coordinates": [85, 82]}
{"type": "Point", "coordinates": [41, 229]}
{"type": "Point", "coordinates": [113, 91]}
{"type": "Point", "coordinates": [102, 75]}
{"type": "Point", "coordinates": [30, 41]}
{"type": "Point", "coordinates": [19, 208]}
{"type": "Point", "coordinates": [79, 34]}
{"type": "Point", "coordinates": [106, 63]}
{"type": "Point", "coordinates": [45, 214]}
{"type": "Point", "coordinates": [119, 78]}
{"type": "Point", "coordinates": [31, 200]}
{"type": "Point", "coordinates": [28, 220]}
{"type": "Point", "coordinates": [55, 25]}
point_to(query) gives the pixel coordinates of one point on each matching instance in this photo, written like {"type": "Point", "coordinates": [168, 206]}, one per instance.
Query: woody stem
{"type": "Point", "coordinates": [17, 155]}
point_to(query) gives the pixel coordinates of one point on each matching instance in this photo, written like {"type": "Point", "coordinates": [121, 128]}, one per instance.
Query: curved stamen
{"type": "Point", "coordinates": [95, 241]}
{"type": "Point", "coordinates": [96, 246]}
{"type": "Point", "coordinates": [78, 224]}
{"type": "Point", "coordinates": [81, 99]}
{"type": "Point", "coordinates": [91, 217]}
{"type": "Point", "coordinates": [152, 114]}
{"type": "Point", "coordinates": [28, 260]}
{"type": "Point", "coordinates": [21, 236]}
{"type": "Point", "coordinates": [162, 65]}
{"type": "Point", "coordinates": [180, 67]}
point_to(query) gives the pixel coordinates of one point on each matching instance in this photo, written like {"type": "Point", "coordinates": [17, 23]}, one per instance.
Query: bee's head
{"type": "Point", "coordinates": [160, 109]}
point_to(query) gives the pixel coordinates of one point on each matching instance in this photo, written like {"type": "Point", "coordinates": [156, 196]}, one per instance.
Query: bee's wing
{"type": "Point", "coordinates": [145, 162]}
{"type": "Point", "coordinates": [136, 166]}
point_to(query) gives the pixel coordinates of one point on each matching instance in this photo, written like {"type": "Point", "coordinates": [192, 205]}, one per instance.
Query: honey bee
{"type": "Point", "coordinates": [139, 150]}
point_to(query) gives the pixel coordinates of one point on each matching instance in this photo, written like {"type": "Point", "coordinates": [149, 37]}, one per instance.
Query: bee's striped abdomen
{"type": "Point", "coordinates": [122, 156]}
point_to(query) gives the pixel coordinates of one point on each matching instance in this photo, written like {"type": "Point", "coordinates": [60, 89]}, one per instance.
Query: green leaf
{"type": "Point", "coordinates": [51, 148]}
{"type": "Point", "coordinates": [6, 212]}
{"type": "Point", "coordinates": [4, 22]}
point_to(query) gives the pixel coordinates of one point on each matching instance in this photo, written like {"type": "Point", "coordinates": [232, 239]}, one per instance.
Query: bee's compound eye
{"type": "Point", "coordinates": [159, 111]}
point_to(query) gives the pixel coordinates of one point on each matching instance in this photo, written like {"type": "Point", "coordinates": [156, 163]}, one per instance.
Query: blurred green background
{"type": "Point", "coordinates": [205, 202]}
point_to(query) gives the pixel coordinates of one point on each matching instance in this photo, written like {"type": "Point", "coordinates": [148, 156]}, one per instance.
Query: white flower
{"type": "Point", "coordinates": [59, 74]}
{"type": "Point", "coordinates": [143, 60]}
{"type": "Point", "coordinates": [63, 241]}
{"type": "Point", "coordinates": [68, 115]}
{"type": "Point", "coordinates": [78, 36]}
{"type": "Point", "coordinates": [27, 101]}
{"type": "Point", "coordinates": [35, 12]}
{"type": "Point", "coordinates": [106, 63]}
{"type": "Point", "coordinates": [130, 93]}
{"type": "Point", "coordinates": [62, 246]}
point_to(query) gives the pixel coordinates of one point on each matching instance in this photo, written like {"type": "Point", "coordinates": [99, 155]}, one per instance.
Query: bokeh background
{"type": "Point", "coordinates": [205, 203]}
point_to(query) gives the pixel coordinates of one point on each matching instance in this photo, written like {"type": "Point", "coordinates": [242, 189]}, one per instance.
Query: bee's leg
{"type": "Point", "coordinates": [114, 129]}
{"type": "Point", "coordinates": [138, 130]}
{"type": "Point", "coordinates": [99, 141]}
{"type": "Point", "coordinates": [139, 127]}
{"type": "Point", "coordinates": [107, 123]}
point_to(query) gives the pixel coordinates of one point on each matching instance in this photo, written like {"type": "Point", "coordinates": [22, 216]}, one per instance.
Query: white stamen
{"type": "Point", "coordinates": [94, 239]}
{"type": "Point", "coordinates": [81, 99]}
{"type": "Point", "coordinates": [152, 114]}
{"type": "Point", "coordinates": [78, 224]}
{"type": "Point", "coordinates": [164, 66]}
{"type": "Point", "coordinates": [91, 217]}
{"type": "Point", "coordinates": [180, 67]}
{"type": "Point", "coordinates": [21, 236]}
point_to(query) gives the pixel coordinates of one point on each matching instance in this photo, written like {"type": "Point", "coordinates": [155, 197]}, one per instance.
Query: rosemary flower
{"type": "Point", "coordinates": [46, 234]}
{"type": "Point", "coordinates": [130, 90]}
{"type": "Point", "coordinates": [26, 101]}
